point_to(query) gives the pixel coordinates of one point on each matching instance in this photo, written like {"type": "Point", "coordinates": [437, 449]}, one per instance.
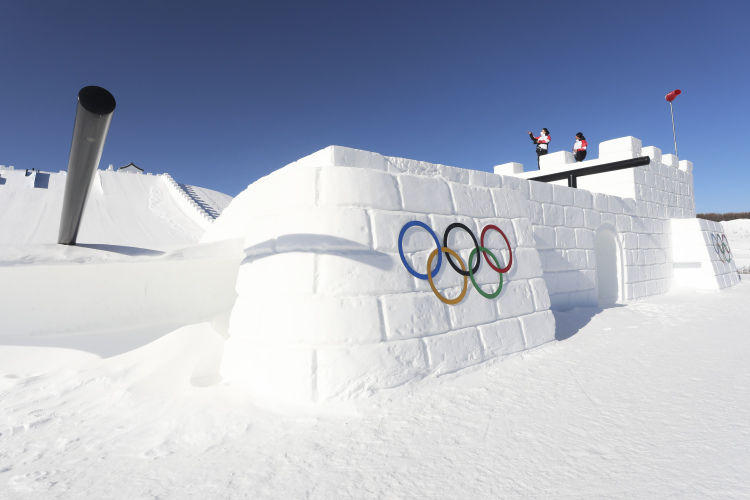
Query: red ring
{"type": "Point", "coordinates": [510, 252]}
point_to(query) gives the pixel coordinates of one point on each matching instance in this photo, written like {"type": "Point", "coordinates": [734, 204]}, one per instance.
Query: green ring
{"type": "Point", "coordinates": [471, 274]}
{"type": "Point", "coordinates": [725, 248]}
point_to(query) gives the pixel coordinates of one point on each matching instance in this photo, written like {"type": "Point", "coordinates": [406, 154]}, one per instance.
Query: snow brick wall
{"type": "Point", "coordinates": [326, 308]}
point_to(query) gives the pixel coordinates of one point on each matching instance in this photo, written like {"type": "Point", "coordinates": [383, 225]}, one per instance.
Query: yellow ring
{"type": "Point", "coordinates": [432, 285]}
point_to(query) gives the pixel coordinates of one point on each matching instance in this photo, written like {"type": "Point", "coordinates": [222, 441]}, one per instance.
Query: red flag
{"type": "Point", "coordinates": [670, 97]}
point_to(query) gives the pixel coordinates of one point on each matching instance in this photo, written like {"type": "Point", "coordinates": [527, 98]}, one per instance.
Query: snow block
{"type": "Point", "coordinates": [584, 238]}
{"type": "Point", "coordinates": [686, 166]}
{"type": "Point", "coordinates": [473, 201]}
{"type": "Point", "coordinates": [538, 328]}
{"type": "Point", "coordinates": [386, 227]}
{"type": "Point", "coordinates": [563, 195]}
{"type": "Point", "coordinates": [350, 157]}
{"type": "Point", "coordinates": [622, 148]}
{"type": "Point", "coordinates": [414, 315]}
{"type": "Point", "coordinates": [671, 161]}
{"type": "Point", "coordinates": [540, 191]}
{"type": "Point", "coordinates": [574, 217]}
{"type": "Point", "coordinates": [517, 299]}
{"type": "Point", "coordinates": [475, 309]}
{"type": "Point", "coordinates": [583, 199]}
{"type": "Point", "coordinates": [556, 159]}
{"type": "Point", "coordinates": [554, 215]}
{"type": "Point", "coordinates": [652, 152]}
{"type": "Point", "coordinates": [565, 237]}
{"type": "Point", "coordinates": [508, 168]}
{"type": "Point", "coordinates": [346, 186]}
{"type": "Point", "coordinates": [320, 158]}
{"type": "Point", "coordinates": [425, 194]}
{"type": "Point", "coordinates": [540, 293]}
{"type": "Point", "coordinates": [544, 237]}
{"type": "Point", "coordinates": [502, 337]}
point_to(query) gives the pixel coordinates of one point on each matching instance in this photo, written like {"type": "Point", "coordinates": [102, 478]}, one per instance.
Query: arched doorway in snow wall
{"type": "Point", "coordinates": [608, 267]}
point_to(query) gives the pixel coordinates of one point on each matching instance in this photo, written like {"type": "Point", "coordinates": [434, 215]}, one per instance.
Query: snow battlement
{"type": "Point", "coordinates": [333, 224]}
{"type": "Point", "coordinates": [664, 188]}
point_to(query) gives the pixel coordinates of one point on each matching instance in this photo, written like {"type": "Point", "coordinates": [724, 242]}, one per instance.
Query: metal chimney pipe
{"type": "Point", "coordinates": [93, 116]}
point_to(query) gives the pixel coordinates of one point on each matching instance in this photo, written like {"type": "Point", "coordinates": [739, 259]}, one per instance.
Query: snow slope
{"type": "Point", "coordinates": [125, 209]}
{"type": "Point", "coordinates": [645, 400]}
{"type": "Point", "coordinates": [738, 233]}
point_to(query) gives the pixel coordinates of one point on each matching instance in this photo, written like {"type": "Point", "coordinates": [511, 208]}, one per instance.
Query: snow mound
{"type": "Point", "coordinates": [106, 301]}
{"type": "Point", "coordinates": [136, 273]}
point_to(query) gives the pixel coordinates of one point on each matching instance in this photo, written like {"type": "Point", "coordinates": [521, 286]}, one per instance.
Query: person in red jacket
{"type": "Point", "coordinates": [542, 144]}
{"type": "Point", "coordinates": [579, 148]}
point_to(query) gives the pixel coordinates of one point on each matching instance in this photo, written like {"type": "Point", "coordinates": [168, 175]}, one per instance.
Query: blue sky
{"type": "Point", "coordinates": [219, 94]}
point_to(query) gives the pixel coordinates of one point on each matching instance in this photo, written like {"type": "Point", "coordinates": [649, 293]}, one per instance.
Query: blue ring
{"type": "Point", "coordinates": [401, 249]}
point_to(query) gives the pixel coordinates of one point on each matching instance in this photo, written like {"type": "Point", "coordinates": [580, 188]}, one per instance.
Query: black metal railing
{"type": "Point", "coordinates": [573, 175]}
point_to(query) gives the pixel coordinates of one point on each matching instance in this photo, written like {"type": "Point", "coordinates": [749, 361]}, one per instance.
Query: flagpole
{"type": "Point", "coordinates": [674, 135]}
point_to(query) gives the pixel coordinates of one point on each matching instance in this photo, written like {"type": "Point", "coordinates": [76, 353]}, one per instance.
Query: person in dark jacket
{"type": "Point", "coordinates": [542, 144]}
{"type": "Point", "coordinates": [580, 146]}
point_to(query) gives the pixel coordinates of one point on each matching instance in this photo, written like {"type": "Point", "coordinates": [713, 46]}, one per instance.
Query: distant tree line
{"type": "Point", "coordinates": [726, 216]}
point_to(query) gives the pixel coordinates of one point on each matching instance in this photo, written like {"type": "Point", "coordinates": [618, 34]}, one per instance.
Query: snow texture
{"type": "Point", "coordinates": [646, 400]}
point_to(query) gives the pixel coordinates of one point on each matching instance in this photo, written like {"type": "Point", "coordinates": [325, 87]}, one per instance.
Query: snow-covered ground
{"type": "Point", "coordinates": [738, 233]}
{"type": "Point", "coordinates": [101, 398]}
{"type": "Point", "coordinates": [644, 400]}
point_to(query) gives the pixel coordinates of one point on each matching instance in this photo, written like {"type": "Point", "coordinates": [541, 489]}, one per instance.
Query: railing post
{"type": "Point", "coordinates": [93, 116]}
{"type": "Point", "coordinates": [572, 180]}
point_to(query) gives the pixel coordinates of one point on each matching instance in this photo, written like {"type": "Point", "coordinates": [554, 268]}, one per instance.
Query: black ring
{"type": "Point", "coordinates": [476, 244]}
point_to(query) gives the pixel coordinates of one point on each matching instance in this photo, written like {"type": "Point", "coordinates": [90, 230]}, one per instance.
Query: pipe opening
{"type": "Point", "coordinates": [96, 100]}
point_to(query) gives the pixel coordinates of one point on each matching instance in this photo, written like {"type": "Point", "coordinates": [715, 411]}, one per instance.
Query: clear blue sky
{"type": "Point", "coordinates": [219, 94]}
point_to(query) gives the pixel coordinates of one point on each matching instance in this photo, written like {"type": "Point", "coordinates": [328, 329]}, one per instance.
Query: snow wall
{"type": "Point", "coordinates": [326, 307]}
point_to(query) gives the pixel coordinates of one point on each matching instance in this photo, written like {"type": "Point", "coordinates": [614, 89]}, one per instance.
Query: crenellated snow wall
{"type": "Point", "coordinates": [328, 308]}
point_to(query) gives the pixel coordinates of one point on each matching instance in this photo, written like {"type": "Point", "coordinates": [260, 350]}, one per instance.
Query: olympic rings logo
{"type": "Point", "coordinates": [721, 245]}
{"type": "Point", "coordinates": [467, 272]}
